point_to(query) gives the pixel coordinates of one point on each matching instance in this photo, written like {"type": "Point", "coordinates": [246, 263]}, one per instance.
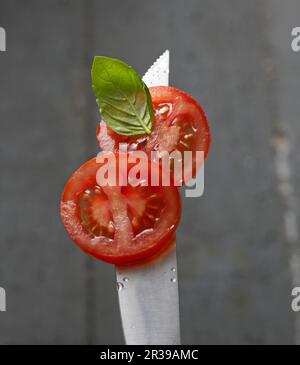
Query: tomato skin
{"type": "Point", "coordinates": [185, 119]}
{"type": "Point", "coordinates": [143, 246]}
{"type": "Point", "coordinates": [184, 104]}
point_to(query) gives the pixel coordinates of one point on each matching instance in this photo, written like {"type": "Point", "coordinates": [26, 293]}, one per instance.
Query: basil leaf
{"type": "Point", "coordinates": [123, 98]}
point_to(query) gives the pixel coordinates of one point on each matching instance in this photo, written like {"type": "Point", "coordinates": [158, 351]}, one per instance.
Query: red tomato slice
{"type": "Point", "coordinates": [119, 224]}
{"type": "Point", "coordinates": [180, 125]}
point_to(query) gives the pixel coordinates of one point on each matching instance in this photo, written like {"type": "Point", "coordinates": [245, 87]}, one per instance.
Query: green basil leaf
{"type": "Point", "coordinates": [123, 98]}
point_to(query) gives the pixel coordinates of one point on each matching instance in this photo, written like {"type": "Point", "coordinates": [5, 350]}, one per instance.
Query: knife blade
{"type": "Point", "coordinates": [158, 73]}
{"type": "Point", "coordinates": [148, 294]}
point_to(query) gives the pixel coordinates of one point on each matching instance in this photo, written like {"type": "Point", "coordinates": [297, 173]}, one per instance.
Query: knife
{"type": "Point", "coordinates": [148, 294]}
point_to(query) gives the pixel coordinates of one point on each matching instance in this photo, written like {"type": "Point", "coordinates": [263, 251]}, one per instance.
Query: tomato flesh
{"type": "Point", "coordinates": [125, 225]}
{"type": "Point", "coordinates": [180, 125]}
{"type": "Point", "coordinates": [119, 224]}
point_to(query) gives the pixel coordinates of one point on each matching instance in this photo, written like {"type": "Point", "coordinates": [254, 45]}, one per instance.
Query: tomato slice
{"type": "Point", "coordinates": [119, 224]}
{"type": "Point", "coordinates": [180, 125]}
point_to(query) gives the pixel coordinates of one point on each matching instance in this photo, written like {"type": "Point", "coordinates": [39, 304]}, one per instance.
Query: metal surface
{"type": "Point", "coordinates": [158, 73]}
{"type": "Point", "coordinates": [148, 295]}
{"type": "Point", "coordinates": [149, 305]}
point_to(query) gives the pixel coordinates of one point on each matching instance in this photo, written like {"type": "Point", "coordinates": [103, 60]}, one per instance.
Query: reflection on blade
{"type": "Point", "coordinates": [148, 298]}
{"type": "Point", "coordinates": [148, 295]}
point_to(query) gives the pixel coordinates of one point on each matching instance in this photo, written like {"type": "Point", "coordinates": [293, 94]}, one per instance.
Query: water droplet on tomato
{"type": "Point", "coordinates": [120, 286]}
{"type": "Point", "coordinates": [164, 109]}
{"type": "Point", "coordinates": [156, 147]}
{"type": "Point", "coordinates": [111, 227]}
{"type": "Point", "coordinates": [97, 190]}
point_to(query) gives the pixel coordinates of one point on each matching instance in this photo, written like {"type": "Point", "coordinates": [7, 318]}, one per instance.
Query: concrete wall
{"type": "Point", "coordinates": [238, 245]}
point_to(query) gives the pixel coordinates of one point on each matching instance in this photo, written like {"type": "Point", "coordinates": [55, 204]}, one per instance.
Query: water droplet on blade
{"type": "Point", "coordinates": [173, 280]}
{"type": "Point", "coordinates": [120, 286]}
{"type": "Point", "coordinates": [126, 280]}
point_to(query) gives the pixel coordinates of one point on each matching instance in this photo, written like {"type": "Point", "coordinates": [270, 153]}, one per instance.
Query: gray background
{"type": "Point", "coordinates": [238, 244]}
